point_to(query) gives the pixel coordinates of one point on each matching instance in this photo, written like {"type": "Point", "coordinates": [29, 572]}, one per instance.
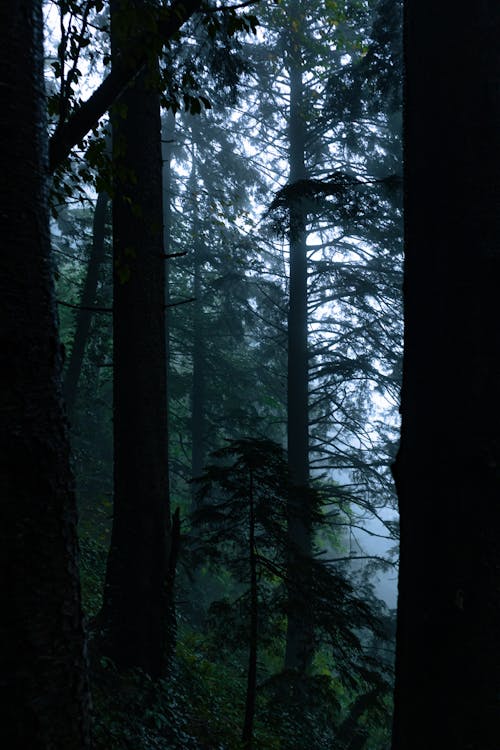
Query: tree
{"type": "Point", "coordinates": [299, 635]}
{"type": "Point", "coordinates": [198, 406]}
{"type": "Point", "coordinates": [447, 468]}
{"type": "Point", "coordinates": [44, 693]}
{"type": "Point", "coordinates": [214, 368]}
{"type": "Point", "coordinates": [240, 526]}
{"type": "Point", "coordinates": [137, 599]}
{"type": "Point", "coordinates": [136, 605]}
{"type": "Point", "coordinates": [246, 513]}
{"type": "Point", "coordinates": [343, 261]}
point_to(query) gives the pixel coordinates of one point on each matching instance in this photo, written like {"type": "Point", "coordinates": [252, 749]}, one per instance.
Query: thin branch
{"type": "Point", "coordinates": [181, 302]}
{"type": "Point", "coordinates": [348, 558]}
{"type": "Point", "coordinates": [173, 255]}
{"type": "Point", "coordinates": [218, 8]}
{"type": "Point", "coordinates": [110, 309]}
{"type": "Point", "coordinates": [82, 307]}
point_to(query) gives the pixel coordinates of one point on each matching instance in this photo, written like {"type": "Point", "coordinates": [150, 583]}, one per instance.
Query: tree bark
{"type": "Point", "coordinates": [136, 607]}
{"type": "Point", "coordinates": [44, 694]}
{"type": "Point", "coordinates": [448, 467]}
{"type": "Point", "coordinates": [299, 636]}
{"type": "Point", "coordinates": [84, 314]}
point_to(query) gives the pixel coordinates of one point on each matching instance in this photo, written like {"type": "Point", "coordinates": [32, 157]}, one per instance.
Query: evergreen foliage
{"type": "Point", "coordinates": [228, 281]}
{"type": "Point", "coordinates": [248, 618]}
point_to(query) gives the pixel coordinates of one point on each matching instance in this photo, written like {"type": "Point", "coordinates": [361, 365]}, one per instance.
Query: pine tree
{"type": "Point", "coordinates": [240, 526]}
{"type": "Point", "coordinates": [343, 267]}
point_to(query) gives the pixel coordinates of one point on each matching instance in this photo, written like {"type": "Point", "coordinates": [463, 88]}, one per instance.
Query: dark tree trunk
{"type": "Point", "coordinates": [448, 467]}
{"type": "Point", "coordinates": [298, 640]}
{"type": "Point", "coordinates": [136, 611]}
{"type": "Point", "coordinates": [88, 300]}
{"type": "Point", "coordinates": [44, 695]}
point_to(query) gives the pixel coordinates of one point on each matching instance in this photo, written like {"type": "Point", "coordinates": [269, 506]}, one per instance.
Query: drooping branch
{"type": "Point", "coordinates": [89, 308]}
{"type": "Point", "coordinates": [336, 184]}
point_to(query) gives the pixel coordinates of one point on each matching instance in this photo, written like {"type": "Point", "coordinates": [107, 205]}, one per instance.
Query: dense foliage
{"type": "Point", "coordinates": [226, 89]}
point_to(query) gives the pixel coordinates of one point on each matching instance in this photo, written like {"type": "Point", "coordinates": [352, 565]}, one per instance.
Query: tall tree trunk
{"type": "Point", "coordinates": [84, 314]}
{"type": "Point", "coordinates": [168, 136]}
{"type": "Point", "coordinates": [136, 611]}
{"type": "Point", "coordinates": [198, 385]}
{"type": "Point", "coordinates": [44, 695]}
{"type": "Point", "coordinates": [298, 640]}
{"type": "Point", "coordinates": [448, 467]}
{"type": "Point", "coordinates": [173, 542]}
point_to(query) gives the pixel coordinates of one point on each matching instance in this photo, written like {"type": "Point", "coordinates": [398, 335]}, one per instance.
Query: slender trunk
{"type": "Point", "coordinates": [299, 636]}
{"type": "Point", "coordinates": [136, 607]}
{"type": "Point", "coordinates": [247, 736]}
{"type": "Point", "coordinates": [44, 696]}
{"type": "Point", "coordinates": [198, 385]}
{"type": "Point", "coordinates": [448, 467]}
{"type": "Point", "coordinates": [88, 299]}
{"type": "Point", "coordinates": [168, 135]}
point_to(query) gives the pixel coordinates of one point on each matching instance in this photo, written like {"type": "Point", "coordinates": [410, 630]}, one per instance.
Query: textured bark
{"type": "Point", "coordinates": [44, 696]}
{"type": "Point", "coordinates": [84, 314]}
{"type": "Point", "coordinates": [136, 612]}
{"type": "Point", "coordinates": [448, 467]}
{"type": "Point", "coordinates": [298, 638]}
